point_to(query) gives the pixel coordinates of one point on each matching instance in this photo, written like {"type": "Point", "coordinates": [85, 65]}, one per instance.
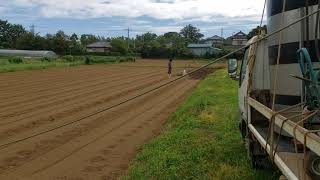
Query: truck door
{"type": "Point", "coordinates": [243, 86]}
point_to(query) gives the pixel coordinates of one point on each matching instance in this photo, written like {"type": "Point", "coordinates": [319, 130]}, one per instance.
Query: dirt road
{"type": "Point", "coordinates": [98, 147]}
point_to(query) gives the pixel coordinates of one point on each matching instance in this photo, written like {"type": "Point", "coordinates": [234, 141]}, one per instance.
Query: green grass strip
{"type": "Point", "coordinates": [201, 140]}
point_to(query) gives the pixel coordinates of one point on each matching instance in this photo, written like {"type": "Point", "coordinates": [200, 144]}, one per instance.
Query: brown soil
{"type": "Point", "coordinates": [99, 147]}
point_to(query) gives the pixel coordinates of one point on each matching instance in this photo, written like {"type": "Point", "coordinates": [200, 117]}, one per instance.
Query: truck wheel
{"type": "Point", "coordinates": [313, 165]}
{"type": "Point", "coordinates": [258, 158]}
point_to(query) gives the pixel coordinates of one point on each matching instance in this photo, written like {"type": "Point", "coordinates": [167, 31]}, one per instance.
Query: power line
{"type": "Point", "coordinates": [160, 86]}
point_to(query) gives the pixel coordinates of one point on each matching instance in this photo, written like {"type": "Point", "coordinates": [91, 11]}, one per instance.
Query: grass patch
{"type": "Point", "coordinates": [201, 139]}
{"type": "Point", "coordinates": [11, 64]}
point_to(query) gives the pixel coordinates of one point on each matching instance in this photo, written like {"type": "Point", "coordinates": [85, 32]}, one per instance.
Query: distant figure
{"type": "Point", "coordinates": [184, 73]}
{"type": "Point", "coordinates": [169, 68]}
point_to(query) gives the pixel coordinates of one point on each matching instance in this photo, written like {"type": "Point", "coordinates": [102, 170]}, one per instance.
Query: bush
{"type": "Point", "coordinates": [47, 59]}
{"type": "Point", "coordinates": [114, 54]}
{"type": "Point", "coordinates": [130, 59]}
{"type": "Point", "coordinates": [135, 54]}
{"type": "Point", "coordinates": [4, 62]}
{"type": "Point", "coordinates": [87, 60]}
{"type": "Point", "coordinates": [15, 60]}
{"type": "Point", "coordinates": [103, 53]}
{"type": "Point", "coordinates": [68, 58]}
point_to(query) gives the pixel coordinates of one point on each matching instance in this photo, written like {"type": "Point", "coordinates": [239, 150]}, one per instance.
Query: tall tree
{"type": "Point", "coordinates": [61, 44]}
{"type": "Point", "coordinates": [119, 44]}
{"type": "Point", "coordinates": [191, 33]}
{"type": "Point", "coordinates": [88, 39]}
{"type": "Point", "coordinates": [9, 33]}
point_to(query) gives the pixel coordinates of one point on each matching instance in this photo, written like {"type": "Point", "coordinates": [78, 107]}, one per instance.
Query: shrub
{"type": "Point", "coordinates": [134, 54]}
{"type": "Point", "coordinates": [114, 54]}
{"type": "Point", "coordinates": [88, 60]}
{"type": "Point", "coordinates": [103, 53]}
{"type": "Point", "coordinates": [4, 62]}
{"type": "Point", "coordinates": [47, 59]}
{"type": "Point", "coordinates": [15, 60]}
{"type": "Point", "coordinates": [130, 59]}
{"type": "Point", "coordinates": [68, 58]}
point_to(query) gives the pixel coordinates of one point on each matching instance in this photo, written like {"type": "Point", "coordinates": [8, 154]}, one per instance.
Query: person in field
{"type": "Point", "coordinates": [169, 68]}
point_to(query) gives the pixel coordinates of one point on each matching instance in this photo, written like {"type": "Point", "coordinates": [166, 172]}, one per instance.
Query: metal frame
{"type": "Point", "coordinates": [300, 133]}
{"type": "Point", "coordinates": [313, 140]}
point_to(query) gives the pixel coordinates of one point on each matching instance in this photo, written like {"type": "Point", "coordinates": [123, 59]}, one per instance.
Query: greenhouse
{"type": "Point", "coordinates": [27, 53]}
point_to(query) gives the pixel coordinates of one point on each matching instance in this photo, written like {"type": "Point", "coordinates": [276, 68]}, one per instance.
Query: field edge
{"type": "Point", "coordinates": [202, 132]}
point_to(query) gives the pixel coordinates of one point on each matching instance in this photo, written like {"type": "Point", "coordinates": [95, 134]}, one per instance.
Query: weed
{"type": "Point", "coordinates": [15, 60]}
{"type": "Point", "coordinates": [68, 58]}
{"type": "Point", "coordinates": [87, 60]}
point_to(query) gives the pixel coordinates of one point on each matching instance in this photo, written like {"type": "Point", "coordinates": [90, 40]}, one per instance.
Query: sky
{"type": "Point", "coordinates": [111, 17]}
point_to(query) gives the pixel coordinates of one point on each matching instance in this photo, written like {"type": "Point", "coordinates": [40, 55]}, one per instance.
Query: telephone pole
{"type": "Point", "coordinates": [222, 33]}
{"type": "Point", "coordinates": [32, 28]}
{"type": "Point", "coordinates": [128, 39]}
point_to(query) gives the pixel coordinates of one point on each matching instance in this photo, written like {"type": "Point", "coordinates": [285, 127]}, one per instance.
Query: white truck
{"type": "Point", "coordinates": [279, 93]}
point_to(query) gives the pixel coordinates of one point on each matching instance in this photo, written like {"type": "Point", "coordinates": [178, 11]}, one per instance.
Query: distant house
{"type": "Point", "coordinates": [239, 39]}
{"type": "Point", "coordinates": [215, 41]}
{"type": "Point", "coordinates": [202, 49]}
{"type": "Point", "coordinates": [28, 53]}
{"type": "Point", "coordinates": [101, 46]}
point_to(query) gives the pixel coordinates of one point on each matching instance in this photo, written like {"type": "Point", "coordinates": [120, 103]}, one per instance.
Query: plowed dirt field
{"type": "Point", "coordinates": [99, 147]}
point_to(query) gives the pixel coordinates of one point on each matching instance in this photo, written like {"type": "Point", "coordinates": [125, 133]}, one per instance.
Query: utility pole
{"type": "Point", "coordinates": [222, 32]}
{"type": "Point", "coordinates": [222, 36]}
{"type": "Point", "coordinates": [128, 39]}
{"type": "Point", "coordinates": [134, 43]}
{"type": "Point", "coordinates": [32, 28]}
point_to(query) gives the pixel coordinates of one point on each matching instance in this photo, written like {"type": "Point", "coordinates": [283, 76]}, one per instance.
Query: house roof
{"type": "Point", "coordinates": [215, 37]}
{"type": "Point", "coordinates": [199, 46]}
{"type": "Point", "coordinates": [101, 44]}
{"type": "Point", "coordinates": [239, 35]}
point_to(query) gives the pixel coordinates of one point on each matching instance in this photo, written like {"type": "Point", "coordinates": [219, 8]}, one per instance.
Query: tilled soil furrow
{"type": "Point", "coordinates": [27, 78]}
{"type": "Point", "coordinates": [49, 86]}
{"type": "Point", "coordinates": [132, 124]}
{"type": "Point", "coordinates": [74, 111]}
{"type": "Point", "coordinates": [56, 95]}
{"type": "Point", "coordinates": [113, 123]}
{"type": "Point", "coordinates": [97, 147]}
{"type": "Point", "coordinates": [67, 102]}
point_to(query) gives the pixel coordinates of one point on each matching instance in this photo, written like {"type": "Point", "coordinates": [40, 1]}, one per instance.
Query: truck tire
{"type": "Point", "coordinates": [257, 157]}
{"type": "Point", "coordinates": [313, 165]}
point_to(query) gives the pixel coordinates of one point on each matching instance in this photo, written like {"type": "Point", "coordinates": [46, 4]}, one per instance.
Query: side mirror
{"type": "Point", "coordinates": [232, 68]}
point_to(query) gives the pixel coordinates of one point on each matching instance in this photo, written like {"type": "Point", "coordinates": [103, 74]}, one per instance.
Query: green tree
{"type": "Point", "coordinates": [9, 33]}
{"type": "Point", "coordinates": [76, 48]}
{"type": "Point", "coordinates": [88, 39]}
{"type": "Point", "coordinates": [74, 37]}
{"type": "Point", "coordinates": [119, 44]}
{"type": "Point", "coordinates": [191, 34]}
{"type": "Point", "coordinates": [61, 43]}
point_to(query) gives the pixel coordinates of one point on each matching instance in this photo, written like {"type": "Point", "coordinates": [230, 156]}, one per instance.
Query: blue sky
{"type": "Point", "coordinates": [112, 17]}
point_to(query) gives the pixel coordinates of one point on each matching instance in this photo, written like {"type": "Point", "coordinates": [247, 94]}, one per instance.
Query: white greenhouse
{"type": "Point", "coordinates": [27, 53]}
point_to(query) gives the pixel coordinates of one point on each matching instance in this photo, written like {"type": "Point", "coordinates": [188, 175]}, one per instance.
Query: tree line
{"type": "Point", "coordinates": [171, 44]}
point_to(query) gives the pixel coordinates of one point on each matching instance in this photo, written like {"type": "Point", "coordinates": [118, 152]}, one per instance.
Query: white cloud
{"type": "Point", "coordinates": [203, 10]}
